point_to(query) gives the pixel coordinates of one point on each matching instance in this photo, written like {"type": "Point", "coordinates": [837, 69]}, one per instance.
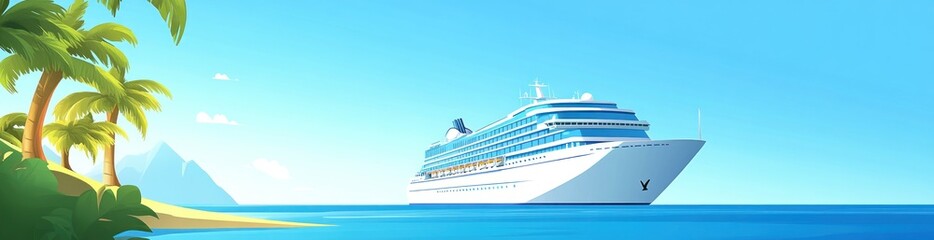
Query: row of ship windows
{"type": "Point", "coordinates": [595, 124]}
{"type": "Point", "coordinates": [510, 127]}
{"type": "Point", "coordinates": [463, 142]}
{"type": "Point", "coordinates": [475, 189]}
{"type": "Point", "coordinates": [487, 142]}
{"type": "Point", "coordinates": [536, 138]}
{"type": "Point", "coordinates": [525, 160]}
{"type": "Point", "coordinates": [544, 150]}
{"type": "Point", "coordinates": [549, 149]}
{"type": "Point", "coordinates": [629, 146]}
{"type": "Point", "coordinates": [513, 132]}
{"type": "Point", "coordinates": [473, 154]}
{"type": "Point", "coordinates": [568, 145]}
{"type": "Point", "coordinates": [564, 146]}
{"type": "Point", "coordinates": [575, 144]}
{"type": "Point", "coordinates": [597, 105]}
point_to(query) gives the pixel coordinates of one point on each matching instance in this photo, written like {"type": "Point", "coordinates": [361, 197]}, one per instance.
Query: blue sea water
{"type": "Point", "coordinates": [581, 222]}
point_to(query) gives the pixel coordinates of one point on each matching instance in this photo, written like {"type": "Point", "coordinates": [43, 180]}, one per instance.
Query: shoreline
{"type": "Point", "coordinates": [171, 216]}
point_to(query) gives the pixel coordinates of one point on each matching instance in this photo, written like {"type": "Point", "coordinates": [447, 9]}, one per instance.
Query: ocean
{"type": "Point", "coordinates": [580, 222]}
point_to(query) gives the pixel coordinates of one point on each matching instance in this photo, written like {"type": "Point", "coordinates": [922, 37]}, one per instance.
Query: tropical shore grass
{"type": "Point", "coordinates": [170, 216]}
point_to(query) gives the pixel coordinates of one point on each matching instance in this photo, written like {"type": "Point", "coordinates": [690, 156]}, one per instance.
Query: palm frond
{"type": "Point", "coordinates": [100, 52]}
{"type": "Point", "coordinates": [173, 12]}
{"type": "Point", "coordinates": [12, 119]}
{"type": "Point", "coordinates": [39, 17]}
{"type": "Point", "coordinates": [109, 128]}
{"type": "Point", "coordinates": [85, 121]}
{"type": "Point", "coordinates": [147, 85]}
{"type": "Point", "coordinates": [119, 74]}
{"type": "Point", "coordinates": [90, 150]}
{"type": "Point", "coordinates": [10, 138]}
{"type": "Point", "coordinates": [143, 100]}
{"type": "Point", "coordinates": [18, 41]}
{"type": "Point", "coordinates": [74, 15]}
{"type": "Point", "coordinates": [112, 5]}
{"type": "Point", "coordinates": [53, 127]}
{"type": "Point", "coordinates": [95, 76]}
{"type": "Point", "coordinates": [3, 5]}
{"type": "Point", "coordinates": [113, 32]}
{"type": "Point", "coordinates": [57, 133]}
{"type": "Point", "coordinates": [79, 104]}
{"type": "Point", "coordinates": [136, 116]}
{"type": "Point", "coordinates": [39, 50]}
{"type": "Point", "coordinates": [8, 128]}
{"type": "Point", "coordinates": [11, 68]}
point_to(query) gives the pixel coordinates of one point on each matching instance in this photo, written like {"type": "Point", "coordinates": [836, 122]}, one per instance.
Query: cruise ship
{"type": "Point", "coordinates": [552, 151]}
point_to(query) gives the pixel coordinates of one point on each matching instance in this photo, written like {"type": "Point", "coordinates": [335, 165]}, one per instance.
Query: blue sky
{"type": "Point", "coordinates": [803, 101]}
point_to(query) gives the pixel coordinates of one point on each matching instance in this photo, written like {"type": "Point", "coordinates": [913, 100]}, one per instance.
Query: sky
{"type": "Point", "coordinates": [334, 102]}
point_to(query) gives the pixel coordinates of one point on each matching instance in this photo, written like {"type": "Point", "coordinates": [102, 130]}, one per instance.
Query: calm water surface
{"type": "Point", "coordinates": [581, 222]}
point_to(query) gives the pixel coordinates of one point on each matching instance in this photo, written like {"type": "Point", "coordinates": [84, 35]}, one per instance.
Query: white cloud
{"type": "Point", "coordinates": [271, 168]}
{"type": "Point", "coordinates": [204, 117]}
{"type": "Point", "coordinates": [221, 76]}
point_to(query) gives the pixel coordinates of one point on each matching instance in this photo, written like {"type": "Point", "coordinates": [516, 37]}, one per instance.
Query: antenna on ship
{"type": "Point", "coordinates": [551, 93]}
{"type": "Point", "coordinates": [520, 98]}
{"type": "Point", "coordinates": [538, 92]}
{"type": "Point", "coordinates": [698, 125]}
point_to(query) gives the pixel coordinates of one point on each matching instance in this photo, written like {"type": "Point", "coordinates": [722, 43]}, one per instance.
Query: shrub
{"type": "Point", "coordinates": [32, 208]}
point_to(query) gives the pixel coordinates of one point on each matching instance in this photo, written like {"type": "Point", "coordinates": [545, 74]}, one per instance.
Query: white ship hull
{"type": "Point", "coordinates": [586, 174]}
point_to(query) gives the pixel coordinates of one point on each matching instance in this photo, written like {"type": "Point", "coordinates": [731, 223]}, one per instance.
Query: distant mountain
{"type": "Point", "coordinates": [51, 154]}
{"type": "Point", "coordinates": [164, 176]}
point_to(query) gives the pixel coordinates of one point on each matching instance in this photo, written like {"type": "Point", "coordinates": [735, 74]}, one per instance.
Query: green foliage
{"type": "Point", "coordinates": [14, 66]}
{"type": "Point", "coordinates": [34, 29]}
{"type": "Point", "coordinates": [103, 216]}
{"type": "Point", "coordinates": [8, 128]}
{"type": "Point", "coordinates": [173, 12]}
{"type": "Point", "coordinates": [9, 151]}
{"type": "Point", "coordinates": [32, 208]}
{"type": "Point", "coordinates": [83, 51]}
{"type": "Point", "coordinates": [28, 195]}
{"type": "Point", "coordinates": [97, 45]}
{"type": "Point", "coordinates": [76, 67]}
{"type": "Point", "coordinates": [138, 98]}
{"type": "Point", "coordinates": [74, 15]}
{"type": "Point", "coordinates": [84, 134]}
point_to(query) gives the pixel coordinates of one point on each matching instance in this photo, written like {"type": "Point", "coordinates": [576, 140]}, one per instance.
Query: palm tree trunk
{"type": "Point", "coordinates": [65, 160]}
{"type": "Point", "coordinates": [110, 172]}
{"type": "Point", "coordinates": [32, 132]}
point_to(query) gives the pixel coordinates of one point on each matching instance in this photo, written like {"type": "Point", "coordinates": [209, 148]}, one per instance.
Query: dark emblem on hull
{"type": "Point", "coordinates": [645, 185]}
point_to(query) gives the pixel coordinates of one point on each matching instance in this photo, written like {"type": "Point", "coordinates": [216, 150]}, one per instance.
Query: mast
{"type": "Point", "coordinates": [538, 90]}
{"type": "Point", "coordinates": [539, 95]}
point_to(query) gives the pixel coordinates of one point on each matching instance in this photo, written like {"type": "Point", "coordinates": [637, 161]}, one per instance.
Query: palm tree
{"type": "Point", "coordinates": [84, 134]}
{"type": "Point", "coordinates": [94, 47]}
{"type": "Point", "coordinates": [138, 98]}
{"type": "Point", "coordinates": [11, 128]}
